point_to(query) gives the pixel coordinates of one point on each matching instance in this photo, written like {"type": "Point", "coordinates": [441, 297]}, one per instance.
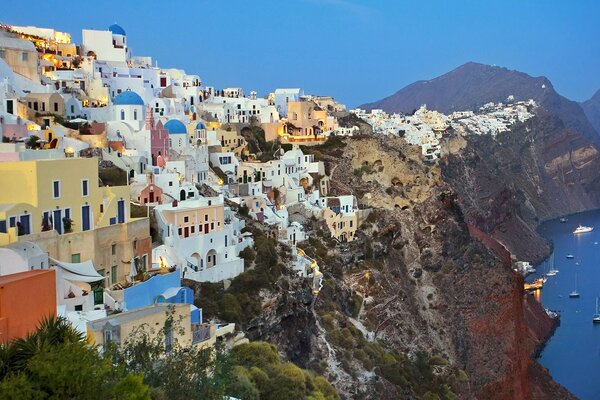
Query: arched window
{"type": "Point", "coordinates": [122, 115]}
{"type": "Point", "coordinates": [135, 115]}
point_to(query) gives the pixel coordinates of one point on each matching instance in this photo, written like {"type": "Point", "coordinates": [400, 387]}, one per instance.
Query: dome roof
{"type": "Point", "coordinates": [200, 125]}
{"type": "Point", "coordinates": [128, 98]}
{"type": "Point", "coordinates": [116, 30]}
{"type": "Point", "coordinates": [175, 126]}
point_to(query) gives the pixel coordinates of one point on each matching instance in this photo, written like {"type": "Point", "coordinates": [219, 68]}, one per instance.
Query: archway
{"type": "Point", "coordinates": [211, 258]}
{"type": "Point", "coordinates": [182, 195]}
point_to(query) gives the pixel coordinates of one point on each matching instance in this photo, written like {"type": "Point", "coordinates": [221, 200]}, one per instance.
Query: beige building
{"type": "Point", "coordinates": [170, 322]}
{"type": "Point", "coordinates": [44, 103]}
{"type": "Point", "coordinates": [20, 55]}
{"type": "Point", "coordinates": [342, 226]}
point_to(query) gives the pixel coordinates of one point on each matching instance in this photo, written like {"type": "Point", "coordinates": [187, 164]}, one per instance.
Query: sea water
{"type": "Point", "coordinates": [573, 353]}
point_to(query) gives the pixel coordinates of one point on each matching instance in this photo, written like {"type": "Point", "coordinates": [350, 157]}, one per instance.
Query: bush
{"type": "Point", "coordinates": [248, 255]}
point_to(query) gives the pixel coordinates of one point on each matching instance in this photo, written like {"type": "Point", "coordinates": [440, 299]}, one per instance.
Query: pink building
{"type": "Point", "coordinates": [159, 138]}
{"type": "Point", "coordinates": [151, 194]}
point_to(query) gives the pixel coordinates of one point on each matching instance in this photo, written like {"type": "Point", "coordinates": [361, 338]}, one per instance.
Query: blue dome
{"type": "Point", "coordinates": [128, 98]}
{"type": "Point", "coordinates": [116, 30]}
{"type": "Point", "coordinates": [175, 126]}
{"type": "Point", "coordinates": [200, 125]}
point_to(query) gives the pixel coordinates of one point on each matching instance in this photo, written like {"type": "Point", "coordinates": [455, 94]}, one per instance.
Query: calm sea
{"type": "Point", "coordinates": [573, 354]}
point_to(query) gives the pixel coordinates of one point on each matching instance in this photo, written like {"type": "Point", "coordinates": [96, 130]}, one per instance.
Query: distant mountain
{"type": "Point", "coordinates": [591, 108]}
{"type": "Point", "coordinates": [472, 85]}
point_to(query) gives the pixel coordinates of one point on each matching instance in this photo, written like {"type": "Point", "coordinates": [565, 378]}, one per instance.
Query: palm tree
{"type": "Point", "coordinates": [52, 331]}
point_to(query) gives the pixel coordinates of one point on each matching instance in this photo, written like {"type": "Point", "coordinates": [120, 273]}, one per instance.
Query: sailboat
{"type": "Point", "coordinates": [596, 317]}
{"type": "Point", "coordinates": [574, 293]}
{"type": "Point", "coordinates": [553, 271]}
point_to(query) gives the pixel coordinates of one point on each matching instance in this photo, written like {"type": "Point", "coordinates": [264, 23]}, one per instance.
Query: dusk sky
{"type": "Point", "coordinates": [355, 50]}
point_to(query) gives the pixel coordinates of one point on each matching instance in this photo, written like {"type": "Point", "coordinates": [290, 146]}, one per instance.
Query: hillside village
{"type": "Point", "coordinates": [127, 178]}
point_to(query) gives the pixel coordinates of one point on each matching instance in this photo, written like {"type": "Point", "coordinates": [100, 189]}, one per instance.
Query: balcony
{"type": "Point", "coordinates": [200, 333]}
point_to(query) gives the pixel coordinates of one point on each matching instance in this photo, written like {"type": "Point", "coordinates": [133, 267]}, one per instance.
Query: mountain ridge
{"type": "Point", "coordinates": [473, 84]}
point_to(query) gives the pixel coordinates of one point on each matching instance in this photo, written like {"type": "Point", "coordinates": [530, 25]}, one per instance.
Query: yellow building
{"type": "Point", "coordinates": [60, 205]}
{"type": "Point", "coordinates": [231, 141]}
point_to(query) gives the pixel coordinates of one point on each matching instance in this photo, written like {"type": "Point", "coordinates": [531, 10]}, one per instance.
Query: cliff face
{"type": "Point", "coordinates": [538, 170]}
{"type": "Point", "coordinates": [427, 286]}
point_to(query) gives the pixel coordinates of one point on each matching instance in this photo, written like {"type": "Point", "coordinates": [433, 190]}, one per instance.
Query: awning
{"type": "Point", "coordinates": [82, 272]}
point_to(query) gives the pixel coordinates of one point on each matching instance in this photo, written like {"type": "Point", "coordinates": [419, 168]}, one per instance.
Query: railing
{"type": "Point", "coordinates": [200, 334]}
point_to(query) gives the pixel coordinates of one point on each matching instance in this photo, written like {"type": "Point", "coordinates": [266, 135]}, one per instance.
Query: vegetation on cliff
{"type": "Point", "coordinates": [56, 362]}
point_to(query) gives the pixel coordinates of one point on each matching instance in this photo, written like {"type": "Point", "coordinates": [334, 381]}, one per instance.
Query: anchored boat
{"type": "Point", "coordinates": [583, 229]}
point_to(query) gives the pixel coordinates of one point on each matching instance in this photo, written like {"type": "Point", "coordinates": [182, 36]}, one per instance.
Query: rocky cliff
{"type": "Point", "coordinates": [414, 307]}
{"type": "Point", "coordinates": [508, 184]}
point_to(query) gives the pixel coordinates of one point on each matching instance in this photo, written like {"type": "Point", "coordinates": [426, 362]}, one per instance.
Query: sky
{"type": "Point", "coordinates": [355, 50]}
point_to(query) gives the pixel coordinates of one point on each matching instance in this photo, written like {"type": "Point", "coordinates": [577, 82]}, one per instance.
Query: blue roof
{"type": "Point", "coordinates": [116, 30]}
{"type": "Point", "coordinates": [128, 98]}
{"type": "Point", "coordinates": [175, 126]}
{"type": "Point", "coordinates": [200, 125]}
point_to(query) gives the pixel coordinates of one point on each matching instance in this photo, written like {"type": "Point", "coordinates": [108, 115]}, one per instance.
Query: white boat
{"type": "Point", "coordinates": [563, 220]}
{"type": "Point", "coordinates": [570, 256]}
{"type": "Point", "coordinates": [553, 271]}
{"type": "Point", "coordinates": [596, 316]}
{"type": "Point", "coordinates": [583, 229]}
{"type": "Point", "coordinates": [574, 293]}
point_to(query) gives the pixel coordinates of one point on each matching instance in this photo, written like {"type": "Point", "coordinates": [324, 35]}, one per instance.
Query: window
{"type": "Point", "coordinates": [134, 245]}
{"type": "Point", "coordinates": [55, 107]}
{"type": "Point", "coordinates": [2, 53]}
{"type": "Point", "coordinates": [24, 56]}
{"type": "Point", "coordinates": [122, 115]}
{"type": "Point", "coordinates": [108, 337]}
{"type": "Point", "coordinates": [186, 219]}
{"type": "Point", "coordinates": [193, 229]}
{"type": "Point", "coordinates": [56, 189]}
{"type": "Point", "coordinates": [206, 217]}
{"type": "Point", "coordinates": [3, 226]}
{"type": "Point", "coordinates": [79, 307]}
{"type": "Point", "coordinates": [76, 258]}
{"type": "Point", "coordinates": [113, 274]}
{"type": "Point", "coordinates": [135, 115]}
{"type": "Point", "coordinates": [72, 108]}
{"type": "Point", "coordinates": [85, 187]}
{"type": "Point", "coordinates": [113, 249]}
{"type": "Point", "coordinates": [86, 220]}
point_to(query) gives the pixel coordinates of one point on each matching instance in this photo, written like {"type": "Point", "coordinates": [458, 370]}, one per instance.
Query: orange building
{"type": "Point", "coordinates": [25, 299]}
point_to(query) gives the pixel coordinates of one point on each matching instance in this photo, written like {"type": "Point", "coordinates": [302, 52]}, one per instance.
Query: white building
{"type": "Point", "coordinates": [202, 237]}
{"type": "Point", "coordinates": [109, 45]}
